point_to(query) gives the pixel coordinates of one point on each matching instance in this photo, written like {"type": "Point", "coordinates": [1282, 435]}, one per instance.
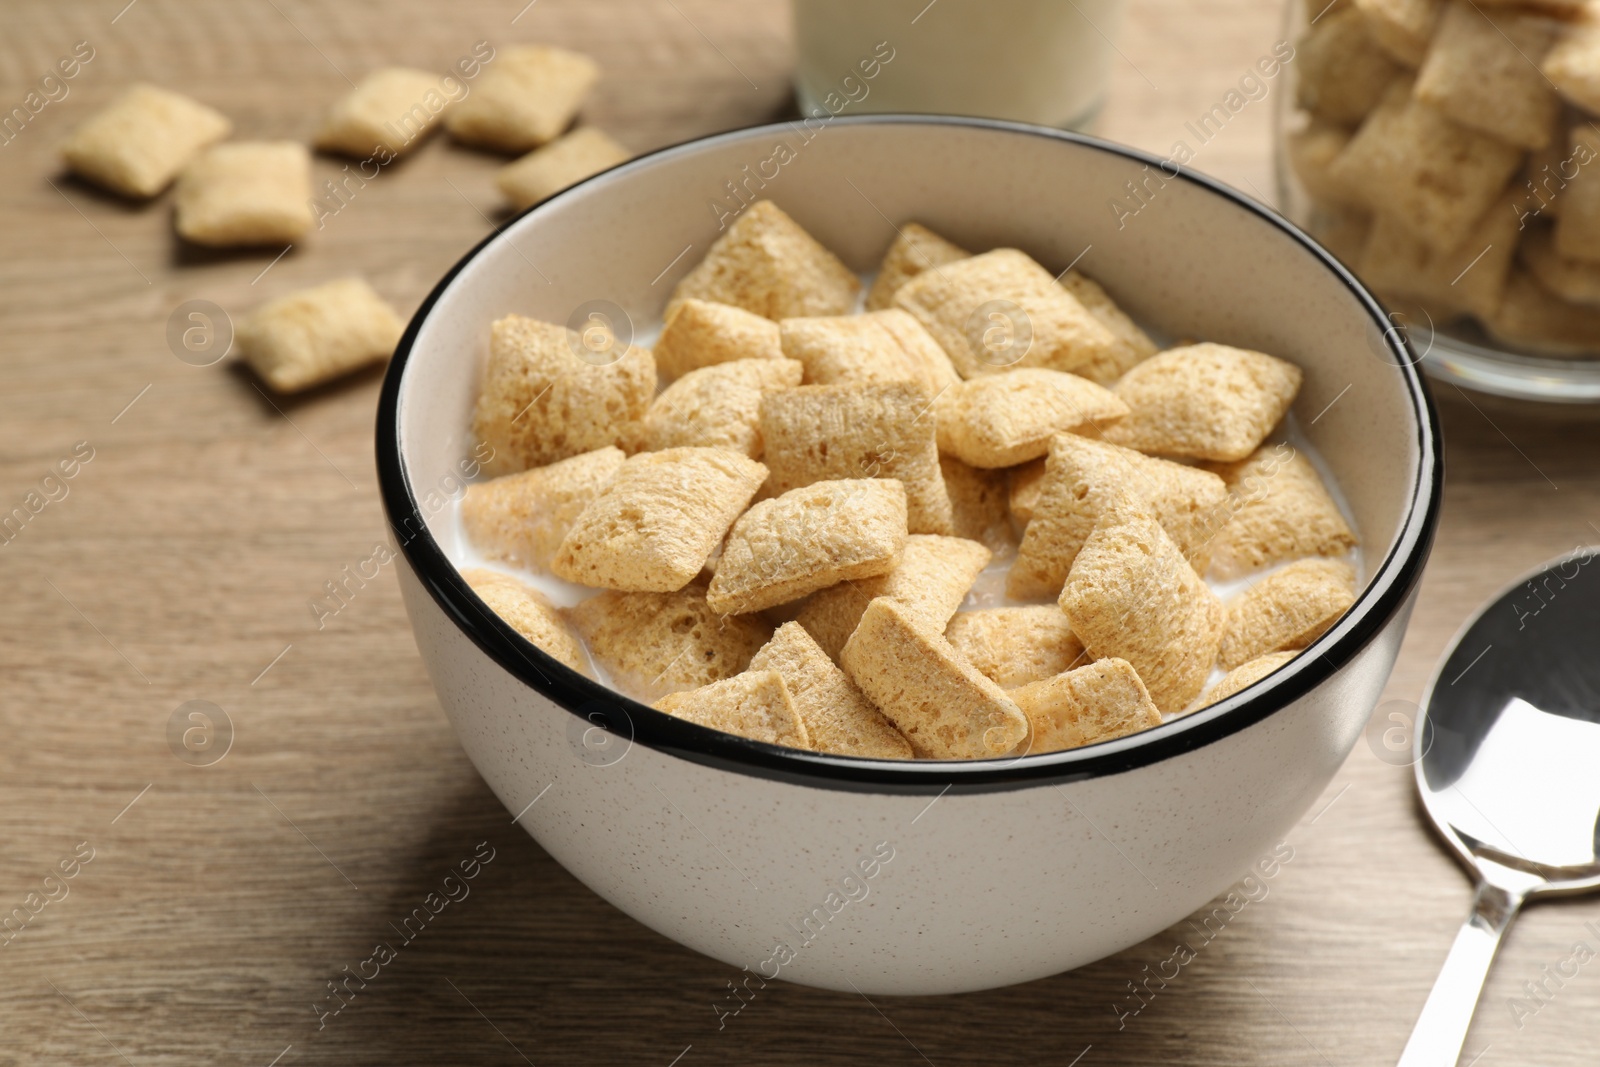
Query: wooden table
{"type": "Point", "coordinates": [181, 563]}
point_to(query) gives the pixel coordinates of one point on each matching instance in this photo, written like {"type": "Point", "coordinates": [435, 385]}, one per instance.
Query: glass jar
{"type": "Point", "coordinates": [1453, 164]}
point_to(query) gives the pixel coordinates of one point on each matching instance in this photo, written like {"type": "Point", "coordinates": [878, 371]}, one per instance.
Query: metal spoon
{"type": "Point", "coordinates": [1508, 768]}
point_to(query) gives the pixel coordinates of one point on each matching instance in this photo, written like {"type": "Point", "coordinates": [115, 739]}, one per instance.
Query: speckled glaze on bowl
{"type": "Point", "coordinates": [913, 877]}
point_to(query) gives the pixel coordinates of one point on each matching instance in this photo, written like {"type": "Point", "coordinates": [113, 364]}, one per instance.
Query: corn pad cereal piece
{"type": "Point", "coordinates": [1578, 224]}
{"type": "Point", "coordinates": [755, 704]}
{"type": "Point", "coordinates": [1015, 647]}
{"type": "Point", "coordinates": [824, 432]}
{"type": "Point", "coordinates": [1434, 175]}
{"type": "Point", "coordinates": [1574, 280]}
{"type": "Point", "coordinates": [526, 611]}
{"type": "Point", "coordinates": [138, 143]}
{"type": "Point", "coordinates": [525, 97]}
{"type": "Point", "coordinates": [1131, 595]}
{"type": "Point", "coordinates": [808, 539]}
{"type": "Point", "coordinates": [1136, 344]}
{"type": "Point", "coordinates": [311, 336]}
{"type": "Point", "coordinates": [1470, 278]}
{"type": "Point", "coordinates": [521, 519]}
{"type": "Point", "coordinates": [565, 161]}
{"type": "Point", "coordinates": [1311, 152]}
{"type": "Point", "coordinates": [1573, 63]}
{"type": "Point", "coordinates": [1280, 511]}
{"type": "Point", "coordinates": [876, 348]}
{"type": "Point", "coordinates": [1001, 420]}
{"type": "Point", "coordinates": [838, 717]}
{"type": "Point", "coordinates": [542, 401]}
{"type": "Point", "coordinates": [914, 249]}
{"type": "Point", "coordinates": [718, 406]}
{"type": "Point", "coordinates": [1097, 702]}
{"type": "Point", "coordinates": [978, 504]}
{"type": "Point", "coordinates": [1534, 318]}
{"type": "Point", "coordinates": [931, 580]}
{"type": "Point", "coordinates": [1244, 676]}
{"type": "Point", "coordinates": [701, 333]}
{"type": "Point", "coordinates": [653, 644]}
{"type": "Point", "coordinates": [1082, 479]}
{"type": "Point", "coordinates": [1343, 72]}
{"type": "Point", "coordinates": [653, 528]}
{"type": "Point", "coordinates": [1482, 71]}
{"type": "Point", "coordinates": [1402, 28]}
{"type": "Point", "coordinates": [943, 706]}
{"type": "Point", "coordinates": [1287, 610]}
{"type": "Point", "coordinates": [244, 193]}
{"type": "Point", "coordinates": [1204, 401]}
{"type": "Point", "coordinates": [390, 112]}
{"type": "Point", "coordinates": [1001, 310]}
{"type": "Point", "coordinates": [767, 264]}
{"type": "Point", "coordinates": [1025, 482]}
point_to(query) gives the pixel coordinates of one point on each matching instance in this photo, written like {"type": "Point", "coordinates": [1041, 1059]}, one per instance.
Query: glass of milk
{"type": "Point", "coordinates": [1040, 61]}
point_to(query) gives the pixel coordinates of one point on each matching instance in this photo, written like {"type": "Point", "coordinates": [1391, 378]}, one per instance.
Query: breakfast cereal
{"type": "Point", "coordinates": [702, 333]}
{"type": "Point", "coordinates": [528, 612]}
{"type": "Point", "coordinates": [915, 249]}
{"type": "Point", "coordinates": [1286, 610]}
{"type": "Point", "coordinates": [1016, 646]}
{"type": "Point", "coordinates": [837, 716]}
{"type": "Point", "coordinates": [1001, 420]}
{"type": "Point", "coordinates": [755, 704]}
{"type": "Point", "coordinates": [718, 406]}
{"type": "Point", "coordinates": [565, 161]}
{"type": "Point", "coordinates": [658, 643]}
{"type": "Point", "coordinates": [525, 98]}
{"type": "Point", "coordinates": [305, 338]}
{"type": "Point", "coordinates": [1096, 702]}
{"type": "Point", "coordinates": [138, 143]}
{"type": "Point", "coordinates": [767, 264]}
{"type": "Point", "coordinates": [245, 193]}
{"type": "Point", "coordinates": [521, 519]}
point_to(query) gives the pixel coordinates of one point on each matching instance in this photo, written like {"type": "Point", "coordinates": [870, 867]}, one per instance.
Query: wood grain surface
{"type": "Point", "coordinates": [220, 901]}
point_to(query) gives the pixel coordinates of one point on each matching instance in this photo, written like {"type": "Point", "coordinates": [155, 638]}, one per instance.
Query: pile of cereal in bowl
{"type": "Point", "coordinates": [977, 519]}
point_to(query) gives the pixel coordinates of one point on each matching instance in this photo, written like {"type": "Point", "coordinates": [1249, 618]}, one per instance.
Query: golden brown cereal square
{"type": "Point", "coordinates": [245, 193]}
{"type": "Point", "coordinates": [767, 264]}
{"type": "Point", "coordinates": [311, 336]}
{"type": "Point", "coordinates": [1343, 72]}
{"type": "Point", "coordinates": [1016, 646]}
{"type": "Point", "coordinates": [1002, 310]}
{"type": "Point", "coordinates": [1402, 28]}
{"type": "Point", "coordinates": [653, 528]}
{"type": "Point", "coordinates": [390, 112]}
{"type": "Point", "coordinates": [1204, 401]}
{"type": "Point", "coordinates": [1482, 70]}
{"type": "Point", "coordinates": [652, 644]}
{"type": "Point", "coordinates": [914, 249]}
{"type": "Point", "coordinates": [808, 539]}
{"type": "Point", "coordinates": [1578, 224]}
{"type": "Point", "coordinates": [979, 504]}
{"type": "Point", "coordinates": [545, 396]}
{"type": "Point", "coordinates": [527, 611]}
{"type": "Point", "coordinates": [931, 580]}
{"type": "Point", "coordinates": [1097, 702]}
{"type": "Point", "coordinates": [1573, 64]}
{"type": "Point", "coordinates": [876, 348]}
{"type": "Point", "coordinates": [1136, 344]}
{"type": "Point", "coordinates": [838, 717]}
{"type": "Point", "coordinates": [1532, 317]}
{"type": "Point", "coordinates": [1001, 420]}
{"type": "Point", "coordinates": [1574, 280]}
{"type": "Point", "coordinates": [718, 406]}
{"type": "Point", "coordinates": [1280, 510]}
{"type": "Point", "coordinates": [1411, 161]}
{"type": "Point", "coordinates": [1311, 152]}
{"type": "Point", "coordinates": [1132, 595]}
{"type": "Point", "coordinates": [701, 333]}
{"type": "Point", "coordinates": [1287, 609]}
{"type": "Point", "coordinates": [565, 161]}
{"type": "Point", "coordinates": [141, 141]}
{"type": "Point", "coordinates": [1082, 478]}
{"type": "Point", "coordinates": [755, 704]}
{"type": "Point", "coordinates": [524, 98]}
{"type": "Point", "coordinates": [1025, 483]}
{"type": "Point", "coordinates": [823, 432]}
{"type": "Point", "coordinates": [943, 706]}
{"type": "Point", "coordinates": [1470, 278]}
{"type": "Point", "coordinates": [1244, 676]}
{"type": "Point", "coordinates": [520, 519]}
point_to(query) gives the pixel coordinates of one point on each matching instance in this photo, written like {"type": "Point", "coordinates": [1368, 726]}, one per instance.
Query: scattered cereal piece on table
{"type": "Point", "coordinates": [526, 611]}
{"type": "Point", "coordinates": [808, 539]}
{"type": "Point", "coordinates": [314, 335]}
{"type": "Point", "coordinates": [1343, 72]}
{"type": "Point", "coordinates": [1244, 676]}
{"type": "Point", "coordinates": [1096, 702]}
{"type": "Point", "coordinates": [543, 400]}
{"type": "Point", "coordinates": [755, 704]}
{"type": "Point", "coordinates": [1136, 344]}
{"type": "Point", "coordinates": [702, 333]}
{"type": "Point", "coordinates": [876, 348]}
{"type": "Point", "coordinates": [1402, 28]}
{"type": "Point", "coordinates": [718, 406]}
{"type": "Point", "coordinates": [1001, 420]}
{"type": "Point", "coordinates": [243, 193]}
{"type": "Point", "coordinates": [979, 504]}
{"type": "Point", "coordinates": [653, 528]}
{"type": "Point", "coordinates": [390, 112]}
{"type": "Point", "coordinates": [565, 161]}
{"type": "Point", "coordinates": [914, 249]}
{"type": "Point", "coordinates": [520, 519]}
{"type": "Point", "coordinates": [1287, 609]}
{"type": "Point", "coordinates": [838, 717]}
{"type": "Point", "coordinates": [767, 264]}
{"type": "Point", "coordinates": [138, 143]}
{"type": "Point", "coordinates": [943, 706]}
{"type": "Point", "coordinates": [525, 97]}
{"type": "Point", "coordinates": [1482, 70]}
{"type": "Point", "coordinates": [1016, 646]}
{"type": "Point", "coordinates": [1280, 511]}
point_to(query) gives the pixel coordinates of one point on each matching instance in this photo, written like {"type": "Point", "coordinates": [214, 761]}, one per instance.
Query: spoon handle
{"type": "Point", "coordinates": [1441, 1029]}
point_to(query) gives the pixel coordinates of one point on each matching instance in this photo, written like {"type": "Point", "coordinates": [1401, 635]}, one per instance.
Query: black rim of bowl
{"type": "Point", "coordinates": [595, 706]}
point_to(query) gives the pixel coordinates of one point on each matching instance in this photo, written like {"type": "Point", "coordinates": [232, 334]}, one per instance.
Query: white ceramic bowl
{"type": "Point", "coordinates": [997, 871]}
